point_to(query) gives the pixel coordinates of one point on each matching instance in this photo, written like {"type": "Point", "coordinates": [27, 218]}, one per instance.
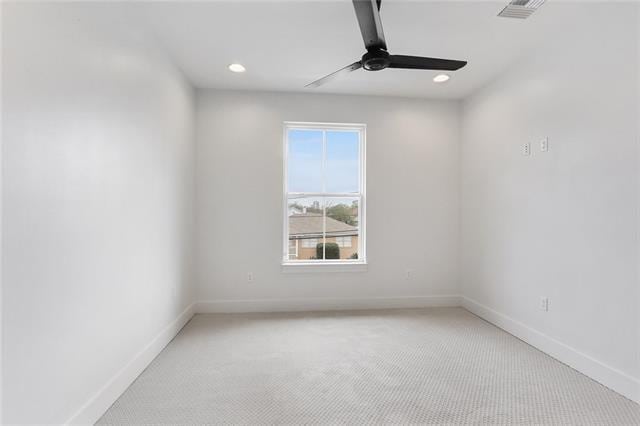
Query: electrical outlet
{"type": "Point", "coordinates": [544, 304]}
{"type": "Point", "coordinates": [544, 145]}
{"type": "Point", "coordinates": [249, 277]}
{"type": "Point", "coordinates": [526, 149]}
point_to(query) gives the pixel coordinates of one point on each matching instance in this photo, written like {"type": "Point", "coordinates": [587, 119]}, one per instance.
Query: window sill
{"type": "Point", "coordinates": [305, 267]}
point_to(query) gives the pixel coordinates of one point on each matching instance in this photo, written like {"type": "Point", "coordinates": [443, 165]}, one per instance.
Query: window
{"type": "Point", "coordinates": [324, 196]}
{"type": "Point", "coordinates": [343, 241]}
{"type": "Point", "coordinates": [309, 243]}
{"type": "Point", "coordinates": [293, 249]}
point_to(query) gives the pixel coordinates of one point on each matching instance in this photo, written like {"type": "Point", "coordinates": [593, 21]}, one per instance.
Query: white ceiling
{"type": "Point", "coordinates": [286, 44]}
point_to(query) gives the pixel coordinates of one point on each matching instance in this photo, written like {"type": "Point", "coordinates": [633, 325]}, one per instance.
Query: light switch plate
{"type": "Point", "coordinates": [544, 304]}
{"type": "Point", "coordinates": [544, 145]}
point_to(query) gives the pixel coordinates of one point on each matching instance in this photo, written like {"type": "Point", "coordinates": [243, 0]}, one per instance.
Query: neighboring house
{"type": "Point", "coordinates": [295, 209]}
{"type": "Point", "coordinates": [305, 233]}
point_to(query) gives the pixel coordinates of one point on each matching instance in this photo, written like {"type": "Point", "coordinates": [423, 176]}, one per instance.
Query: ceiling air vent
{"type": "Point", "coordinates": [520, 9]}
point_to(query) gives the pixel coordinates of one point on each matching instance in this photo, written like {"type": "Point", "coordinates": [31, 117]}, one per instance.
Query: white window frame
{"type": "Point", "coordinates": [323, 264]}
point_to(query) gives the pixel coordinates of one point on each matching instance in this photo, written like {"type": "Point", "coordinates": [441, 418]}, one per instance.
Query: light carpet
{"type": "Point", "coordinates": [435, 366]}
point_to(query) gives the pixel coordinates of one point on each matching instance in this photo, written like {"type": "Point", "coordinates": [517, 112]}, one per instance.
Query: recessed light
{"type": "Point", "coordinates": [441, 78]}
{"type": "Point", "coordinates": [237, 68]}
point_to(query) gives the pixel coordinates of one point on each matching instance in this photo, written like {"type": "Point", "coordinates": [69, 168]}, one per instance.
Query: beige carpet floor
{"type": "Point", "coordinates": [434, 366]}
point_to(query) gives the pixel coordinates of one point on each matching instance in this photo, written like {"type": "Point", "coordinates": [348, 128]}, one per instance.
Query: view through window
{"type": "Point", "coordinates": [324, 182]}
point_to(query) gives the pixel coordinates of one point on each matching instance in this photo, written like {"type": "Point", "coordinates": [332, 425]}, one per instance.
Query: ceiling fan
{"type": "Point", "coordinates": [377, 58]}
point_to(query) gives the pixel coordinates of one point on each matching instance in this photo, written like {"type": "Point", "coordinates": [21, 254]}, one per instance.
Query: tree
{"type": "Point", "coordinates": [343, 213]}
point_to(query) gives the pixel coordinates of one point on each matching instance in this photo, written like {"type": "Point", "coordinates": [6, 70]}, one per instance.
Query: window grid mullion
{"type": "Point", "coordinates": [324, 229]}
{"type": "Point", "coordinates": [324, 199]}
{"type": "Point", "coordinates": [323, 194]}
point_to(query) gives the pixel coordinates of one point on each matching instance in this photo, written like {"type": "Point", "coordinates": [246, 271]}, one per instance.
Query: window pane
{"type": "Point", "coordinates": [305, 226]}
{"type": "Point", "coordinates": [342, 161]}
{"type": "Point", "coordinates": [342, 228]}
{"type": "Point", "coordinates": [304, 160]}
{"type": "Point", "coordinates": [293, 249]}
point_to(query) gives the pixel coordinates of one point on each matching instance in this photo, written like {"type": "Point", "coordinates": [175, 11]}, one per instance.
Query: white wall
{"type": "Point", "coordinates": [98, 168]}
{"type": "Point", "coordinates": [412, 199]}
{"type": "Point", "coordinates": [561, 224]}
{"type": "Point", "coordinates": [97, 203]}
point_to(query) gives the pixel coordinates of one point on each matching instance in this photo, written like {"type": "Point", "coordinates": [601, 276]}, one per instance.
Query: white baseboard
{"type": "Point", "coordinates": [323, 304]}
{"type": "Point", "coordinates": [610, 377]}
{"type": "Point", "coordinates": [96, 406]}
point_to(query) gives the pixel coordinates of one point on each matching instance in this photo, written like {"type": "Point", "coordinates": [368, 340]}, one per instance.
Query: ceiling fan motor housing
{"type": "Point", "coordinates": [375, 60]}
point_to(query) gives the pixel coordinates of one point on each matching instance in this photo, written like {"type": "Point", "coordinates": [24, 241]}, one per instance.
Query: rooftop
{"type": "Point", "coordinates": [309, 225]}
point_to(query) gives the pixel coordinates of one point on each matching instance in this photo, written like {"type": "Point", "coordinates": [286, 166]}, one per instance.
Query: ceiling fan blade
{"type": "Point", "coordinates": [354, 66]}
{"type": "Point", "coordinates": [420, 63]}
{"type": "Point", "coordinates": [367, 12]}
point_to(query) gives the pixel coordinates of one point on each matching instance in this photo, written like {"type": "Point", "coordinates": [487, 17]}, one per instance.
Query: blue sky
{"type": "Point", "coordinates": [305, 161]}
